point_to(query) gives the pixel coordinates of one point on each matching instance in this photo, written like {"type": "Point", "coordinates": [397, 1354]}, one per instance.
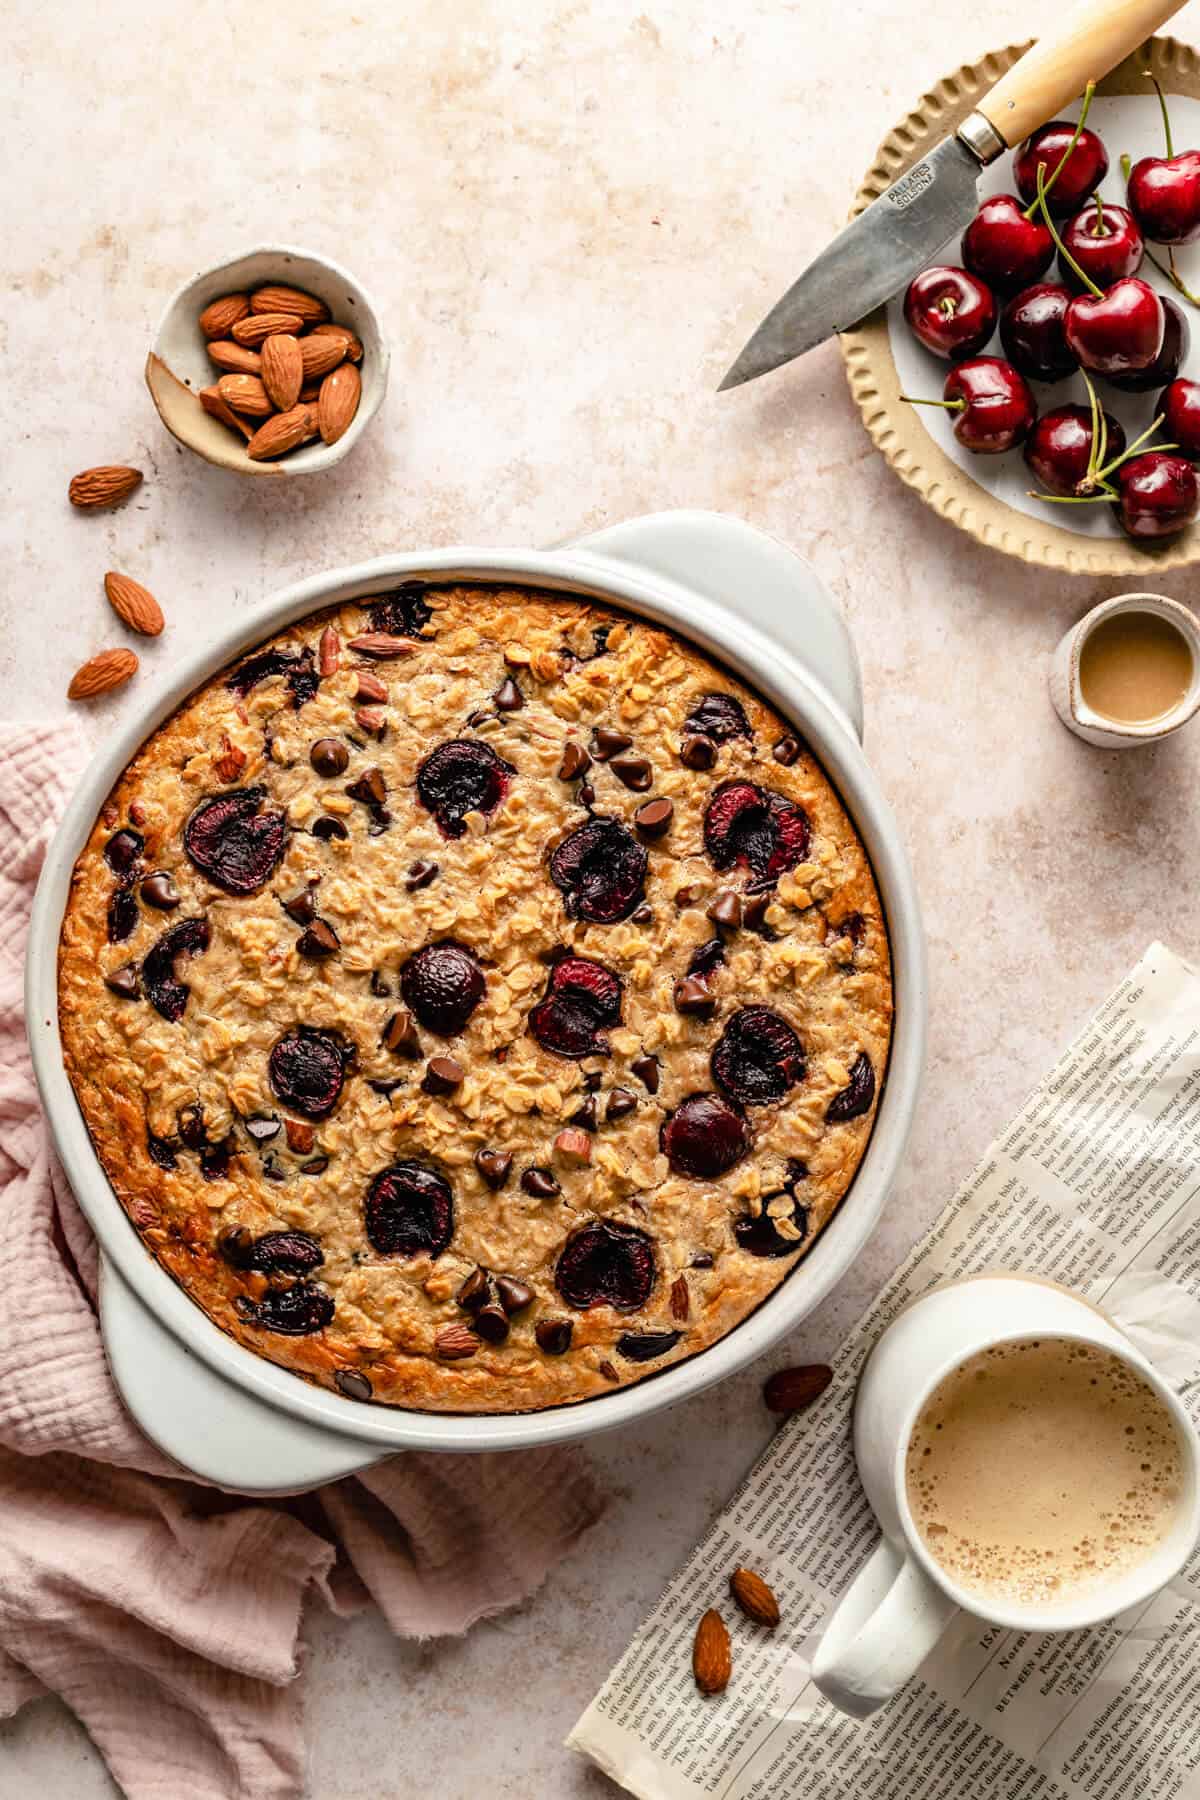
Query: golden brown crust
{"type": "Point", "coordinates": [135, 1072]}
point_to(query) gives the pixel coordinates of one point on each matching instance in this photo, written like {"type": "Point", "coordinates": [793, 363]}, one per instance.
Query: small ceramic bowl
{"type": "Point", "coordinates": [1097, 728]}
{"type": "Point", "coordinates": [178, 364]}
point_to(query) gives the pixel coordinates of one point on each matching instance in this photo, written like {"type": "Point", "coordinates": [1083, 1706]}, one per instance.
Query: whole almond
{"type": "Point", "coordinates": [340, 394]}
{"type": "Point", "coordinates": [282, 433]}
{"type": "Point", "coordinates": [220, 316]}
{"type": "Point", "coordinates": [370, 687]}
{"type": "Point", "coordinates": [754, 1597]}
{"type": "Point", "coordinates": [282, 371]}
{"type": "Point", "coordinates": [133, 604]}
{"type": "Point", "coordinates": [329, 655]}
{"type": "Point", "coordinates": [712, 1661]}
{"type": "Point", "coordinates": [299, 1135]}
{"type": "Point", "coordinates": [229, 765]}
{"type": "Point", "coordinates": [101, 673]}
{"type": "Point", "coordinates": [381, 646]}
{"type": "Point", "coordinates": [681, 1299]}
{"type": "Point", "coordinates": [211, 400]}
{"type": "Point", "coordinates": [455, 1341]}
{"type": "Point", "coordinates": [574, 1145]}
{"type": "Point", "coordinates": [791, 1390]}
{"type": "Point", "coordinates": [107, 485]}
{"type": "Point", "coordinates": [246, 394]}
{"type": "Point", "coordinates": [258, 326]}
{"type": "Point", "coordinates": [372, 720]}
{"type": "Point", "coordinates": [235, 359]}
{"type": "Point", "coordinates": [354, 349]}
{"type": "Point", "coordinates": [320, 354]}
{"type": "Point", "coordinates": [276, 298]}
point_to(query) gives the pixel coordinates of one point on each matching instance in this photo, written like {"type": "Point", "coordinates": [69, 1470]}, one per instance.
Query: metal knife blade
{"type": "Point", "coordinates": [875, 256]}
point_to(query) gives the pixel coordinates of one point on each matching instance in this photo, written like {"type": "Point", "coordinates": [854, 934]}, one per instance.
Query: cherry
{"type": "Point", "coordinates": [164, 990]}
{"type": "Point", "coordinates": [992, 402]}
{"type": "Point", "coordinates": [1177, 338]}
{"type": "Point", "coordinates": [600, 870]}
{"type": "Point", "coordinates": [275, 1253]}
{"type": "Point", "coordinates": [856, 1097]}
{"type": "Point", "coordinates": [951, 311]}
{"type": "Point", "coordinates": [1103, 241]}
{"type": "Point", "coordinates": [1164, 191]}
{"type": "Point", "coordinates": [1117, 333]}
{"type": "Point", "coordinates": [295, 1311]}
{"type": "Point", "coordinates": [719, 717]}
{"type": "Point", "coordinates": [307, 1069]}
{"type": "Point", "coordinates": [755, 828]}
{"type": "Point", "coordinates": [758, 1057]}
{"type": "Point", "coordinates": [606, 1264]}
{"type": "Point", "coordinates": [408, 1211]}
{"type": "Point", "coordinates": [1073, 162]}
{"type": "Point", "coordinates": [234, 844]}
{"type": "Point", "coordinates": [1005, 247]}
{"type": "Point", "coordinates": [704, 1137]}
{"type": "Point", "coordinates": [1159, 494]}
{"type": "Point", "coordinates": [1031, 331]}
{"type": "Point", "coordinates": [581, 998]}
{"type": "Point", "coordinates": [459, 777]}
{"type": "Point", "coordinates": [1059, 448]}
{"type": "Point", "coordinates": [1179, 405]}
{"type": "Point", "coordinates": [442, 983]}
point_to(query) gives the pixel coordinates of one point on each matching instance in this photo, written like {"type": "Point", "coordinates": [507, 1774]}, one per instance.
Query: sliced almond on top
{"type": "Point", "coordinates": [338, 402]}
{"type": "Point", "coordinates": [282, 433]}
{"type": "Point", "coordinates": [220, 316]}
{"type": "Point", "coordinates": [101, 673]}
{"type": "Point", "coordinates": [133, 604]}
{"type": "Point", "coordinates": [246, 394]}
{"type": "Point", "coordinates": [320, 354]}
{"type": "Point", "coordinates": [282, 370]}
{"type": "Point", "coordinates": [354, 349]}
{"type": "Point", "coordinates": [258, 326]}
{"type": "Point", "coordinates": [235, 359]}
{"type": "Point", "coordinates": [211, 400]}
{"type": "Point", "coordinates": [278, 298]}
{"type": "Point", "coordinates": [107, 485]}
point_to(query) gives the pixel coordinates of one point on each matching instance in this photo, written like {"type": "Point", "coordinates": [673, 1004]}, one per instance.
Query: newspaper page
{"type": "Point", "coordinates": [1096, 1185]}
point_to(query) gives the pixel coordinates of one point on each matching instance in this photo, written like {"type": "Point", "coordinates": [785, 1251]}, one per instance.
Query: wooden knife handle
{"type": "Point", "coordinates": [1089, 39]}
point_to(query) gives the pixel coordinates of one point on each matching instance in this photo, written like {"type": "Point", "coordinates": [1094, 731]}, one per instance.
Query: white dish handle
{"type": "Point", "coordinates": [748, 573]}
{"type": "Point", "coordinates": [208, 1426]}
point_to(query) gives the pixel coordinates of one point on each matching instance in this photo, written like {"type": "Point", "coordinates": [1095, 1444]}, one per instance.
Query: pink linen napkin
{"type": "Point", "coordinates": [166, 1613]}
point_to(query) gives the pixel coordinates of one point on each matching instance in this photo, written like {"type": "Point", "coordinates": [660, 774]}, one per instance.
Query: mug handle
{"type": "Point", "coordinates": [883, 1628]}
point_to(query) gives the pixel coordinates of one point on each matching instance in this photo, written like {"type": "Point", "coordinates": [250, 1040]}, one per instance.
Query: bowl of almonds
{"type": "Point", "coordinates": [271, 364]}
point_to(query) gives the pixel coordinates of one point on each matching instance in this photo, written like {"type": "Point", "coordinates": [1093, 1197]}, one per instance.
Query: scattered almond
{"type": "Point", "coordinates": [370, 687]}
{"type": "Point", "coordinates": [381, 646]}
{"type": "Point", "coordinates": [455, 1341]}
{"type": "Point", "coordinates": [107, 485]}
{"type": "Point", "coordinates": [220, 316]}
{"type": "Point", "coordinates": [246, 394]}
{"type": "Point", "coordinates": [329, 654]}
{"type": "Point", "coordinates": [320, 354]}
{"type": "Point", "coordinates": [282, 373]}
{"type": "Point", "coordinates": [229, 765]}
{"type": "Point", "coordinates": [235, 359]}
{"type": "Point", "coordinates": [258, 326]}
{"type": "Point", "coordinates": [354, 349]}
{"type": "Point", "coordinates": [211, 400]}
{"type": "Point", "coordinates": [133, 604]}
{"type": "Point", "coordinates": [754, 1597]}
{"type": "Point", "coordinates": [791, 1390]}
{"type": "Point", "coordinates": [282, 432]}
{"type": "Point", "coordinates": [340, 394]}
{"type": "Point", "coordinates": [101, 673]}
{"type": "Point", "coordinates": [276, 298]}
{"type": "Point", "coordinates": [712, 1661]}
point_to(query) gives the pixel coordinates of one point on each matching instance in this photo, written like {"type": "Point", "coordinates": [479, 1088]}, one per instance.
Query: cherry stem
{"type": "Point", "coordinates": [1173, 276]}
{"type": "Point", "coordinates": [1100, 229]}
{"type": "Point", "coordinates": [950, 405]}
{"type": "Point", "coordinates": [1088, 91]}
{"type": "Point", "coordinates": [1058, 243]}
{"type": "Point", "coordinates": [1166, 118]}
{"type": "Point", "coordinates": [1137, 442]}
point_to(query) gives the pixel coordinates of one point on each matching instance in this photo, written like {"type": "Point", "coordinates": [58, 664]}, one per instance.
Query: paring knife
{"type": "Point", "coordinates": [879, 251]}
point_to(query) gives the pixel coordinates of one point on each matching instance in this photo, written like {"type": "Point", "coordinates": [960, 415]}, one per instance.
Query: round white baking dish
{"type": "Point", "coordinates": [237, 1419]}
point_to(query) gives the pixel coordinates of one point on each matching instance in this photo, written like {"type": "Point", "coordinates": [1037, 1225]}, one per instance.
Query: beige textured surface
{"type": "Point", "coordinates": [573, 216]}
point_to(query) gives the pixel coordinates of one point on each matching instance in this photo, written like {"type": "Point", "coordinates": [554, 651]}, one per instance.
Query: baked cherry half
{"type": "Point", "coordinates": [758, 1057]}
{"type": "Point", "coordinates": [1006, 248]}
{"type": "Point", "coordinates": [719, 717]}
{"type": "Point", "coordinates": [160, 976]}
{"type": "Point", "coordinates": [600, 870]}
{"type": "Point", "coordinates": [754, 828]}
{"type": "Point", "coordinates": [295, 1311]}
{"type": "Point", "coordinates": [409, 1211]}
{"type": "Point", "coordinates": [606, 1264]}
{"type": "Point", "coordinates": [582, 997]}
{"type": "Point", "coordinates": [233, 842]}
{"type": "Point", "coordinates": [442, 984]}
{"type": "Point", "coordinates": [704, 1137]}
{"type": "Point", "coordinates": [307, 1070]}
{"type": "Point", "coordinates": [950, 311]}
{"type": "Point", "coordinates": [1031, 331]}
{"type": "Point", "coordinates": [459, 777]}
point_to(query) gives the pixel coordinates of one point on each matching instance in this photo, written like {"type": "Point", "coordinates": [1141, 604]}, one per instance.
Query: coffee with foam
{"type": "Point", "coordinates": [1040, 1470]}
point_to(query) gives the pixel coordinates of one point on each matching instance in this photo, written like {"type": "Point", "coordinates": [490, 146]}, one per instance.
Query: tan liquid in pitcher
{"type": "Point", "coordinates": [1134, 667]}
{"type": "Point", "coordinates": [1039, 1470]}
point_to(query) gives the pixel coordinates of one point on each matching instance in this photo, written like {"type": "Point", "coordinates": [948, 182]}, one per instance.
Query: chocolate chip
{"type": "Point", "coordinates": [508, 696]}
{"type": "Point", "coordinates": [420, 874]}
{"type": "Point", "coordinates": [123, 982]}
{"type": "Point", "coordinates": [386, 1087]}
{"type": "Point", "coordinates": [647, 1071]}
{"type": "Point", "coordinates": [693, 997]}
{"type": "Point", "coordinates": [645, 1346]}
{"type": "Point", "coordinates": [317, 1166]}
{"type": "Point", "coordinates": [159, 891]}
{"type": "Point", "coordinates": [592, 1081]}
{"type": "Point", "coordinates": [191, 1126]}
{"type": "Point", "coordinates": [302, 907]}
{"type": "Point", "coordinates": [271, 1170]}
{"type": "Point", "coordinates": [474, 1291]}
{"type": "Point", "coordinates": [554, 1336]}
{"type": "Point", "coordinates": [443, 1075]}
{"type": "Point", "coordinates": [620, 1104]}
{"type": "Point", "coordinates": [575, 761]}
{"type": "Point", "coordinates": [380, 820]}
{"type": "Point", "coordinates": [513, 1295]}
{"type": "Point", "coordinates": [634, 771]}
{"type": "Point", "coordinates": [370, 788]}
{"type": "Point", "coordinates": [587, 793]}
{"type": "Point", "coordinates": [702, 1260]}
{"type": "Point", "coordinates": [786, 751]}
{"type": "Point", "coordinates": [354, 1385]}
{"type": "Point", "coordinates": [326, 827]}
{"type": "Point", "coordinates": [754, 912]}
{"type": "Point", "coordinates": [123, 851]}
{"type": "Point", "coordinates": [653, 817]}
{"type": "Point", "coordinates": [329, 756]}
{"type": "Point", "coordinates": [123, 915]}
{"type": "Point", "coordinates": [491, 1322]}
{"type": "Point", "coordinates": [540, 1183]}
{"type": "Point", "coordinates": [606, 743]}
{"type": "Point", "coordinates": [399, 1036]}
{"type": "Point", "coordinates": [643, 915]}
{"type": "Point", "coordinates": [369, 689]}
{"type": "Point", "coordinates": [586, 1116]}
{"type": "Point", "coordinates": [698, 752]}
{"type": "Point", "coordinates": [319, 941]}
{"type": "Point", "coordinates": [262, 1128]}
{"type": "Point", "coordinates": [726, 911]}
{"type": "Point", "coordinates": [379, 986]}
{"type": "Point", "coordinates": [494, 1166]}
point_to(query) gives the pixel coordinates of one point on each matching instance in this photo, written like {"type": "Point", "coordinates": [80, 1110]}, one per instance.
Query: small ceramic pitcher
{"type": "Point", "coordinates": [1097, 728]}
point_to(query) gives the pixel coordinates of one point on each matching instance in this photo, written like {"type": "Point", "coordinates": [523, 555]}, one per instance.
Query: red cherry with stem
{"type": "Point", "coordinates": [1179, 405]}
{"type": "Point", "coordinates": [992, 402]}
{"type": "Point", "coordinates": [1004, 247]}
{"type": "Point", "coordinates": [1072, 154]}
{"type": "Point", "coordinates": [1113, 333]}
{"type": "Point", "coordinates": [1177, 338]}
{"type": "Point", "coordinates": [1031, 331]}
{"type": "Point", "coordinates": [1059, 449]}
{"type": "Point", "coordinates": [1103, 241]}
{"type": "Point", "coordinates": [951, 311]}
{"type": "Point", "coordinates": [1164, 191]}
{"type": "Point", "coordinates": [1159, 494]}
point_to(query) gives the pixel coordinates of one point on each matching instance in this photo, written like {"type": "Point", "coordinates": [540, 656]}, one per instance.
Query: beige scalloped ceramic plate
{"type": "Point", "coordinates": [898, 430]}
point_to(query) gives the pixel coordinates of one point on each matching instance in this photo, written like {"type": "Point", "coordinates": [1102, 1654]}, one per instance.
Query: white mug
{"type": "Point", "coordinates": [901, 1601]}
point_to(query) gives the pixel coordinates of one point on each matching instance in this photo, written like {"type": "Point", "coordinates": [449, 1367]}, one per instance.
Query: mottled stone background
{"type": "Point", "coordinates": [572, 215]}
